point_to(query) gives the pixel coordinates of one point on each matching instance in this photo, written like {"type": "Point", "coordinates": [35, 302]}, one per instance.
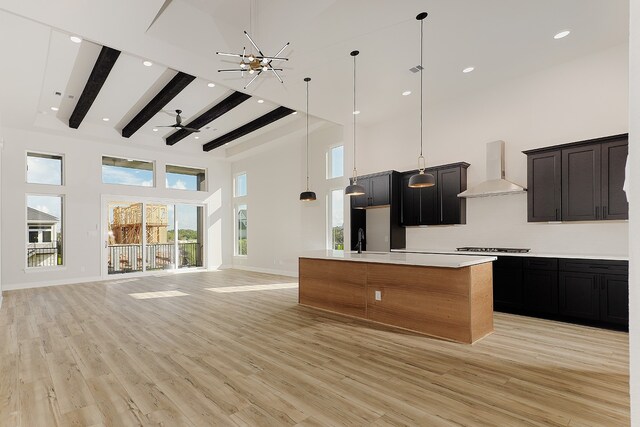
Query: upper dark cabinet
{"type": "Point", "coordinates": [614, 199]}
{"type": "Point", "coordinates": [581, 181]}
{"type": "Point", "coordinates": [377, 191]}
{"type": "Point", "coordinates": [544, 192]}
{"type": "Point", "coordinates": [439, 204]}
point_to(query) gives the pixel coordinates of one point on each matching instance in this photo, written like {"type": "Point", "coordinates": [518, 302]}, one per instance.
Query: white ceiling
{"type": "Point", "coordinates": [502, 39]}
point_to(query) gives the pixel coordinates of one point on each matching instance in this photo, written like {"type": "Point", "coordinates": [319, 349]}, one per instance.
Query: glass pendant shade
{"type": "Point", "coordinates": [354, 189]}
{"type": "Point", "coordinates": [422, 180]}
{"type": "Point", "coordinates": [307, 196]}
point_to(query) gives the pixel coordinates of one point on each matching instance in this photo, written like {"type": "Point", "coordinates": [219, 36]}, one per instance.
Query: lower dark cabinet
{"type": "Point", "coordinates": [574, 290]}
{"type": "Point", "coordinates": [614, 299]}
{"type": "Point", "coordinates": [540, 293]}
{"type": "Point", "coordinates": [579, 295]}
{"type": "Point", "coordinates": [507, 284]}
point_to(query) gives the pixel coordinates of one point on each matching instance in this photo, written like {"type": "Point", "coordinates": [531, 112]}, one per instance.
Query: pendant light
{"type": "Point", "coordinates": [307, 196]}
{"type": "Point", "coordinates": [354, 189]}
{"type": "Point", "coordinates": [421, 179]}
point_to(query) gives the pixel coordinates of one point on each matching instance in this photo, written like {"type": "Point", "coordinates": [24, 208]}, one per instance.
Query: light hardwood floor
{"type": "Point", "coordinates": [93, 354]}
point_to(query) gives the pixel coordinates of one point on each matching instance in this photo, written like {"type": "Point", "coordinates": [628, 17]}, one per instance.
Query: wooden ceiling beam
{"type": "Point", "coordinates": [223, 107]}
{"type": "Point", "coordinates": [170, 91]}
{"type": "Point", "coordinates": [246, 129]}
{"type": "Point", "coordinates": [101, 69]}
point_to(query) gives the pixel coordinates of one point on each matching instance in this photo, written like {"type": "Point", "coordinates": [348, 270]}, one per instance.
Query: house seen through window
{"type": "Point", "coordinates": [44, 231]}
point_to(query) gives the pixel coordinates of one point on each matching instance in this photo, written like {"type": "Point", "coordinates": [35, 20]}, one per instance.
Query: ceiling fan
{"type": "Point", "coordinates": [178, 124]}
{"type": "Point", "coordinates": [255, 64]}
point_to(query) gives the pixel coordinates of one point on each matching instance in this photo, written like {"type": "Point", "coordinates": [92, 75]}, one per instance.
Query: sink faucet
{"type": "Point", "coordinates": [360, 239]}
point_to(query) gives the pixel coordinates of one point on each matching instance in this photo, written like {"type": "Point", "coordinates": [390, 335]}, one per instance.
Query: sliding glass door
{"type": "Point", "coordinates": [147, 236]}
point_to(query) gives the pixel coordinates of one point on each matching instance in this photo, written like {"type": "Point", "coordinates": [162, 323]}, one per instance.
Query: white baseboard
{"type": "Point", "coordinates": [266, 270]}
{"type": "Point", "coordinates": [0, 299]}
{"type": "Point", "coordinates": [45, 283]}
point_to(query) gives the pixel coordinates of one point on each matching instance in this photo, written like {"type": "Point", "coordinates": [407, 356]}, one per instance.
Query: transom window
{"type": "Point", "coordinates": [127, 172]}
{"type": "Point", "coordinates": [240, 185]}
{"type": "Point", "coordinates": [185, 178]}
{"type": "Point", "coordinates": [44, 169]}
{"type": "Point", "coordinates": [335, 162]}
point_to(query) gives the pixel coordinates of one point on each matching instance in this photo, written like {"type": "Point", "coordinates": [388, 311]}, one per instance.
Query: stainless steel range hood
{"type": "Point", "coordinates": [495, 184]}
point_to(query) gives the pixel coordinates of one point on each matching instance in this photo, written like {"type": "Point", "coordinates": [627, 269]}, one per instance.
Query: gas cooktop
{"type": "Point", "coordinates": [505, 250]}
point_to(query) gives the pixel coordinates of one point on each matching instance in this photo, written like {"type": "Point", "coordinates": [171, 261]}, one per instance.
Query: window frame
{"type": "Point", "coordinates": [236, 230]}
{"type": "Point", "coordinates": [63, 213]}
{"type": "Point", "coordinates": [329, 223]}
{"type": "Point", "coordinates": [205, 181]}
{"type": "Point", "coordinates": [235, 185]}
{"type": "Point", "coordinates": [133, 159]}
{"type": "Point", "coordinates": [44, 153]}
{"type": "Point", "coordinates": [329, 161]}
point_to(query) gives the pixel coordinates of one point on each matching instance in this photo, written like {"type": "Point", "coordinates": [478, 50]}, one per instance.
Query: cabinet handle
{"type": "Point", "coordinates": [597, 212]}
{"type": "Point", "coordinates": [556, 214]}
{"type": "Point", "coordinates": [604, 212]}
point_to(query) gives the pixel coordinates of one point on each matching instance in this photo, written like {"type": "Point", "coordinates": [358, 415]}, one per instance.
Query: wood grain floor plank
{"type": "Point", "coordinates": [91, 354]}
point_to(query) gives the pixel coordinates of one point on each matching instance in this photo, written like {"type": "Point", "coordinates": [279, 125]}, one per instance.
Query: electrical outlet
{"type": "Point", "coordinates": [378, 295]}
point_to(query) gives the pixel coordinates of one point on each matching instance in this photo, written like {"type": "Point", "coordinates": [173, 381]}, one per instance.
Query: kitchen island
{"type": "Point", "coordinates": [445, 296]}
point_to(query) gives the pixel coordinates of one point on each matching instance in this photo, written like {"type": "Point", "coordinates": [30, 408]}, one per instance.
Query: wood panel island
{"type": "Point", "coordinates": [444, 296]}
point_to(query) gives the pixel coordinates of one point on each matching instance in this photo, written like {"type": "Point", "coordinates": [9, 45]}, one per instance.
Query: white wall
{"type": "Point", "coordinates": [280, 226]}
{"type": "Point", "coordinates": [83, 192]}
{"type": "Point", "coordinates": [634, 220]}
{"type": "Point", "coordinates": [577, 100]}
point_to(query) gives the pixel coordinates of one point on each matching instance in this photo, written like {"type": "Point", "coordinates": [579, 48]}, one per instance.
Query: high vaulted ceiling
{"type": "Point", "coordinates": [502, 39]}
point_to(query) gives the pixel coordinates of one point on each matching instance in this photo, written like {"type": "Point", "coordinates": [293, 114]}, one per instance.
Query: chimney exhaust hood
{"type": "Point", "coordinates": [495, 184]}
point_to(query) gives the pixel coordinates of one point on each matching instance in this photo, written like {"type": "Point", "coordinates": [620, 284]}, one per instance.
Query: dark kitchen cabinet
{"type": "Point", "coordinates": [544, 192]}
{"type": "Point", "coordinates": [540, 285]}
{"type": "Point", "coordinates": [439, 204]}
{"type": "Point", "coordinates": [579, 295]}
{"type": "Point", "coordinates": [382, 189]}
{"type": "Point", "coordinates": [377, 191]}
{"type": "Point", "coordinates": [508, 284]}
{"type": "Point", "coordinates": [573, 290]}
{"type": "Point", "coordinates": [614, 298]}
{"type": "Point", "coordinates": [614, 199]}
{"type": "Point", "coordinates": [580, 181]}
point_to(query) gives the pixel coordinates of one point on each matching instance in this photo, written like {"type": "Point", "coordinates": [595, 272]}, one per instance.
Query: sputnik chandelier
{"type": "Point", "coordinates": [255, 64]}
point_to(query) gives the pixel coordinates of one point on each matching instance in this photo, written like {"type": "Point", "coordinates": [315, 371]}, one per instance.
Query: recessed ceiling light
{"type": "Point", "coordinates": [260, 101]}
{"type": "Point", "coordinates": [211, 84]}
{"type": "Point", "coordinates": [147, 63]}
{"type": "Point", "coordinates": [75, 39]}
{"type": "Point", "coordinates": [197, 137]}
{"type": "Point", "coordinates": [406, 93]}
{"type": "Point", "coordinates": [561, 34]}
{"type": "Point", "coordinates": [468, 70]}
{"type": "Point", "coordinates": [356, 112]}
{"type": "Point", "coordinates": [295, 112]}
{"type": "Point", "coordinates": [54, 108]}
{"type": "Point", "coordinates": [155, 129]}
{"type": "Point", "coordinates": [105, 119]}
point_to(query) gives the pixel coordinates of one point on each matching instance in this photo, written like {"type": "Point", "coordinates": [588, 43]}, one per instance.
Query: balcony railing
{"type": "Point", "coordinates": [160, 256]}
{"type": "Point", "coordinates": [44, 254]}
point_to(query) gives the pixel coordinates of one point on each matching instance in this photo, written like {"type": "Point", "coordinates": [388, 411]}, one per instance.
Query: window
{"type": "Point", "coordinates": [240, 185]}
{"type": "Point", "coordinates": [335, 162]}
{"type": "Point", "coordinates": [44, 169]}
{"type": "Point", "coordinates": [44, 231]}
{"type": "Point", "coordinates": [127, 172]}
{"type": "Point", "coordinates": [184, 178]}
{"type": "Point", "coordinates": [336, 222]}
{"type": "Point", "coordinates": [241, 230]}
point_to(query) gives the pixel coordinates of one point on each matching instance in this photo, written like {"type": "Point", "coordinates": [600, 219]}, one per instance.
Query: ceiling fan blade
{"type": "Point", "coordinates": [254, 45]}
{"type": "Point", "coordinates": [236, 55]}
{"type": "Point", "coordinates": [233, 70]}
{"type": "Point", "coordinates": [254, 77]}
{"type": "Point", "coordinates": [172, 126]}
{"type": "Point", "coordinates": [189, 129]}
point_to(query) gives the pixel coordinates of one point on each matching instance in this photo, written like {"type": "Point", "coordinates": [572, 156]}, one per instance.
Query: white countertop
{"type": "Point", "coordinates": [526, 254]}
{"type": "Point", "coordinates": [417, 259]}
